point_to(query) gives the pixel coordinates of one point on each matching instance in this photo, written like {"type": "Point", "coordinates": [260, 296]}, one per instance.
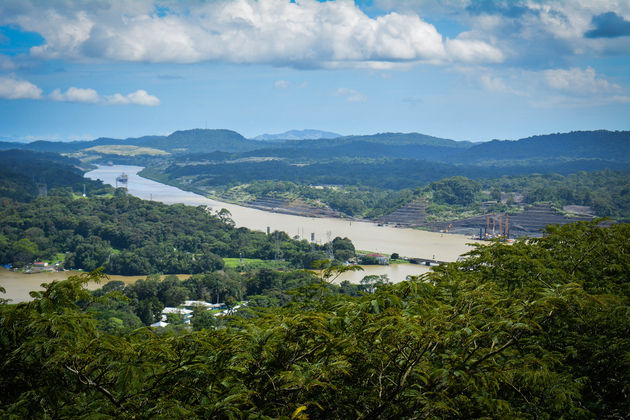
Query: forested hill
{"type": "Point", "coordinates": [307, 134]}
{"type": "Point", "coordinates": [602, 144]}
{"type": "Point", "coordinates": [200, 140]}
{"type": "Point", "coordinates": [124, 234]}
{"type": "Point", "coordinates": [581, 145]}
{"type": "Point", "coordinates": [185, 141]}
{"type": "Point", "coordinates": [416, 139]}
{"type": "Point", "coordinates": [130, 236]}
{"type": "Point", "coordinates": [388, 139]}
{"type": "Point", "coordinates": [21, 172]}
{"type": "Point", "coordinates": [585, 145]}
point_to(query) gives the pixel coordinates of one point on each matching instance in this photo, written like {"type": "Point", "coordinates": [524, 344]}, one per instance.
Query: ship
{"type": "Point", "coordinates": [121, 180]}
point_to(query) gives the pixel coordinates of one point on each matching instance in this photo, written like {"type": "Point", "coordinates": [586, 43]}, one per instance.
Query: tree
{"type": "Point", "coordinates": [329, 272]}
{"type": "Point", "coordinates": [175, 319]}
{"type": "Point", "coordinates": [456, 190]}
{"type": "Point", "coordinates": [174, 296]}
{"type": "Point", "coordinates": [370, 283]}
{"type": "Point", "coordinates": [225, 217]}
{"type": "Point", "coordinates": [203, 319]}
{"type": "Point", "coordinates": [24, 251]}
{"type": "Point", "coordinates": [113, 286]}
{"type": "Point", "coordinates": [495, 194]}
{"type": "Point", "coordinates": [343, 249]}
{"type": "Point", "coordinates": [263, 279]}
{"type": "Point", "coordinates": [537, 329]}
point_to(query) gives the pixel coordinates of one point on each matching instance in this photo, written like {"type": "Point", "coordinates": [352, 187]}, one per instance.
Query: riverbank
{"type": "Point", "coordinates": [295, 207]}
{"type": "Point", "coordinates": [406, 242]}
{"type": "Point", "coordinates": [522, 220]}
{"type": "Point", "coordinates": [18, 285]}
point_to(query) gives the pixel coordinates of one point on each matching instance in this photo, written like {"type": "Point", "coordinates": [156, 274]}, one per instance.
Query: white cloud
{"type": "Point", "coordinates": [139, 97]}
{"type": "Point", "coordinates": [74, 94]}
{"type": "Point", "coordinates": [577, 87]}
{"type": "Point", "coordinates": [307, 33]}
{"type": "Point", "coordinates": [281, 84]}
{"type": "Point", "coordinates": [285, 84]}
{"type": "Point", "coordinates": [576, 81]}
{"type": "Point", "coordinates": [497, 84]}
{"type": "Point", "coordinates": [528, 33]}
{"type": "Point", "coordinates": [471, 51]}
{"type": "Point", "coordinates": [351, 95]}
{"type": "Point", "coordinates": [11, 88]}
{"type": "Point", "coordinates": [552, 87]}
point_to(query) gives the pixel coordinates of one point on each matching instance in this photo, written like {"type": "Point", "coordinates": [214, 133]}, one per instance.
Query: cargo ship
{"type": "Point", "coordinates": [121, 180]}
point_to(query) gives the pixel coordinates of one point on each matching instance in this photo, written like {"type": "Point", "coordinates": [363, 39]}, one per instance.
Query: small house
{"type": "Point", "coordinates": [381, 259]}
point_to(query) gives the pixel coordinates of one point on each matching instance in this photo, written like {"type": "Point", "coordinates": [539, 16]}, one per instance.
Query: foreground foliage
{"type": "Point", "coordinates": [540, 329]}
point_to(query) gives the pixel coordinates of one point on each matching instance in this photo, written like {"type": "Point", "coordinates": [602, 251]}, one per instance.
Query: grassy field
{"type": "Point", "coordinates": [125, 150]}
{"type": "Point", "coordinates": [253, 263]}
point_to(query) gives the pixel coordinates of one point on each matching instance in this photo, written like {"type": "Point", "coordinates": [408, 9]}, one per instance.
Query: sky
{"type": "Point", "coordinates": [460, 69]}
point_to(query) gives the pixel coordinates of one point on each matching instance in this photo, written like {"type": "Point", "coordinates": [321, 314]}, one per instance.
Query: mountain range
{"type": "Point", "coordinates": [308, 134]}
{"type": "Point", "coordinates": [603, 145]}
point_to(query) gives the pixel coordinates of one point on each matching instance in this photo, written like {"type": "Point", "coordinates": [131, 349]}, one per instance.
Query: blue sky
{"type": "Point", "coordinates": [460, 69]}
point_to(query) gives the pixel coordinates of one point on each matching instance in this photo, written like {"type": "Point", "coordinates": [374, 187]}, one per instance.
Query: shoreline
{"type": "Point", "coordinates": [18, 285]}
{"type": "Point", "coordinates": [406, 241]}
{"type": "Point", "coordinates": [277, 210]}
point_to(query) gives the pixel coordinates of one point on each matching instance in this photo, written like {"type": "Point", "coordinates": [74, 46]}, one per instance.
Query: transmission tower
{"type": "Point", "coordinates": [329, 248]}
{"type": "Point", "coordinates": [42, 189]}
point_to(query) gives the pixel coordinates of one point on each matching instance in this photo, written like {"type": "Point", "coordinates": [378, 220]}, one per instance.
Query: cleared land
{"type": "Point", "coordinates": [124, 150]}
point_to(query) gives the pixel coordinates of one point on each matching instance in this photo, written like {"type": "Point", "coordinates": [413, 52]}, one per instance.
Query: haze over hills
{"type": "Point", "coordinates": [184, 141]}
{"type": "Point", "coordinates": [408, 139]}
{"type": "Point", "coordinates": [307, 134]}
{"type": "Point", "coordinates": [600, 144]}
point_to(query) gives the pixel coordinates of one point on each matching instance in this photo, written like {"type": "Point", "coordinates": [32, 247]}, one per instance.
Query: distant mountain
{"type": "Point", "coordinates": [57, 146]}
{"type": "Point", "coordinates": [408, 139]}
{"type": "Point", "coordinates": [299, 135]}
{"type": "Point", "coordinates": [382, 145]}
{"type": "Point", "coordinates": [179, 142]}
{"type": "Point", "coordinates": [549, 149]}
{"type": "Point", "coordinates": [199, 141]}
{"type": "Point", "coordinates": [600, 144]}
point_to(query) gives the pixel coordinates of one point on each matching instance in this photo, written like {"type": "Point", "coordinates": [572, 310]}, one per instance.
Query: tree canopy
{"type": "Point", "coordinates": [130, 236]}
{"type": "Point", "coordinates": [538, 329]}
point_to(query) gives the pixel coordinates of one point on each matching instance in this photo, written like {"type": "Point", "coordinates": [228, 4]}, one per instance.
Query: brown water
{"type": "Point", "coordinates": [364, 235]}
{"type": "Point", "coordinates": [395, 272]}
{"type": "Point", "coordinates": [18, 285]}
